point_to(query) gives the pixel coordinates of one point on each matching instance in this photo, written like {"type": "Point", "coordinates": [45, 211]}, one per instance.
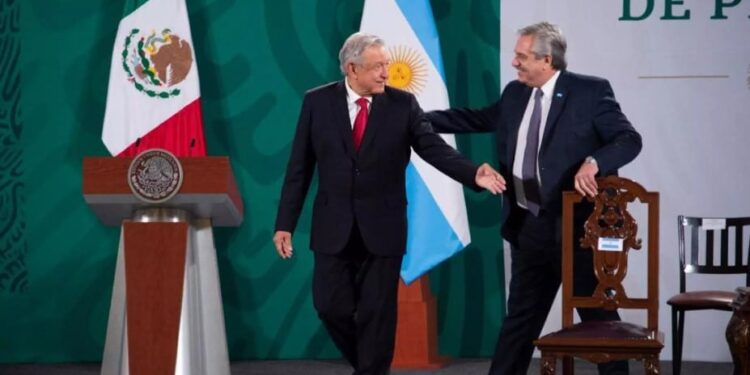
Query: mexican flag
{"type": "Point", "coordinates": [153, 100]}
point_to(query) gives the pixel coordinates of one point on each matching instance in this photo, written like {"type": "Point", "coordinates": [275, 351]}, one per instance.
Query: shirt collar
{"type": "Point", "coordinates": [351, 95]}
{"type": "Point", "coordinates": [549, 87]}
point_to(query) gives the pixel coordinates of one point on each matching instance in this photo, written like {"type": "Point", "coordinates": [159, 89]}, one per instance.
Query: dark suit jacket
{"type": "Point", "coordinates": [584, 120]}
{"type": "Point", "coordinates": [366, 187]}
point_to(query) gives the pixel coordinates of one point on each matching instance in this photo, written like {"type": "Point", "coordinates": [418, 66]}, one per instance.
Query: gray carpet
{"type": "Point", "coordinates": [301, 367]}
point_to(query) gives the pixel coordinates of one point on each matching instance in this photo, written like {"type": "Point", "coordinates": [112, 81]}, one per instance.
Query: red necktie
{"type": "Point", "coordinates": [360, 123]}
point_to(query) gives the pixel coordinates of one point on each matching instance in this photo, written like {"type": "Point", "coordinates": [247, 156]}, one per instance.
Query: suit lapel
{"type": "Point", "coordinates": [341, 119]}
{"type": "Point", "coordinates": [515, 121]}
{"type": "Point", "coordinates": [559, 97]}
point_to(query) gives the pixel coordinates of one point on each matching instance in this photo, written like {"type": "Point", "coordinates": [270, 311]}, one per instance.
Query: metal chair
{"type": "Point", "coordinates": [698, 255]}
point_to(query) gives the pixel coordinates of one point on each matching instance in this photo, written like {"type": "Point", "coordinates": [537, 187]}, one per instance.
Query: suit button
{"type": "Point", "coordinates": [356, 171]}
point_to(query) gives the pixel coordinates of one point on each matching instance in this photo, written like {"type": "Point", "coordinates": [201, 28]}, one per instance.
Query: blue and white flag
{"type": "Point", "coordinates": [438, 225]}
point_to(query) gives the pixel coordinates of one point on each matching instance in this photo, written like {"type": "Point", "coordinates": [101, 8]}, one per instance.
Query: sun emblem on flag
{"type": "Point", "coordinates": [408, 69]}
{"type": "Point", "coordinates": [156, 62]}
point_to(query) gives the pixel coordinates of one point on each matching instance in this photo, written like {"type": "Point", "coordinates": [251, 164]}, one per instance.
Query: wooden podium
{"type": "Point", "coordinates": [166, 314]}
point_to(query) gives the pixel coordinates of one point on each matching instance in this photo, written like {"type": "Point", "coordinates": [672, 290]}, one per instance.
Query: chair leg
{"type": "Point", "coordinates": [651, 365]}
{"type": "Point", "coordinates": [548, 364]}
{"type": "Point", "coordinates": [675, 343]}
{"type": "Point", "coordinates": [678, 327]}
{"type": "Point", "coordinates": [568, 365]}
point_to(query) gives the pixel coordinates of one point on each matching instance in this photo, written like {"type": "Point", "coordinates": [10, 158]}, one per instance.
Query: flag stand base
{"type": "Point", "coordinates": [416, 331]}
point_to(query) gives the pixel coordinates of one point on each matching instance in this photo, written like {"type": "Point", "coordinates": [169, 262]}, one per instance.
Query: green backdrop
{"type": "Point", "coordinates": [256, 59]}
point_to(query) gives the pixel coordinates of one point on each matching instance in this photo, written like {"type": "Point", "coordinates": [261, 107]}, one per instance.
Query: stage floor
{"type": "Point", "coordinates": [463, 366]}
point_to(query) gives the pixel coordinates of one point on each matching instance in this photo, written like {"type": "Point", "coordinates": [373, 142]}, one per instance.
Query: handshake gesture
{"type": "Point", "coordinates": [490, 179]}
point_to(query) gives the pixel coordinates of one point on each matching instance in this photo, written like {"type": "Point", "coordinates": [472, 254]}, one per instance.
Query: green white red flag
{"type": "Point", "coordinates": [153, 100]}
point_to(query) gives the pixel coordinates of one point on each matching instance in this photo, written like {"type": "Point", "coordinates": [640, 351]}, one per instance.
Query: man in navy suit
{"type": "Point", "coordinates": [556, 131]}
{"type": "Point", "coordinates": [359, 132]}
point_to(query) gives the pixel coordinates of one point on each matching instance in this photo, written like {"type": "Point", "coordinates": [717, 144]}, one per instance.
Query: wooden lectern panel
{"type": "Point", "coordinates": [155, 273]}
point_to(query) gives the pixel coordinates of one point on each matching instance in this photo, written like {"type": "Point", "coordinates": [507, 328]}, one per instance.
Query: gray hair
{"type": "Point", "coordinates": [354, 46]}
{"type": "Point", "coordinates": [548, 40]}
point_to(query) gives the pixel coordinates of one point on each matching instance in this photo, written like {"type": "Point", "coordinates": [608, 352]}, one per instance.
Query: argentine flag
{"type": "Point", "coordinates": [438, 225]}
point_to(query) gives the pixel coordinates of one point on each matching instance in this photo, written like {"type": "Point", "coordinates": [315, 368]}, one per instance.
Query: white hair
{"type": "Point", "coordinates": [354, 46]}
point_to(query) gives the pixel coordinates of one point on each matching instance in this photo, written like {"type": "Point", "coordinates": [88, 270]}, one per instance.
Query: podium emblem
{"type": "Point", "coordinates": [155, 175]}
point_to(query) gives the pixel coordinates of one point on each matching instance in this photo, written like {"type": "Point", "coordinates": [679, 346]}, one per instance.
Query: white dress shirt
{"type": "Point", "coordinates": [547, 93]}
{"type": "Point", "coordinates": [351, 102]}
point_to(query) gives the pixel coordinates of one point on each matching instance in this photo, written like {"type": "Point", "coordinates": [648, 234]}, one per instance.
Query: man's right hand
{"type": "Point", "coordinates": [283, 241]}
{"type": "Point", "coordinates": [490, 179]}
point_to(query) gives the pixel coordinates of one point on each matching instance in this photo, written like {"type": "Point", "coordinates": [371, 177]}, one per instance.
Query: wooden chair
{"type": "Point", "coordinates": [606, 341]}
{"type": "Point", "coordinates": [699, 235]}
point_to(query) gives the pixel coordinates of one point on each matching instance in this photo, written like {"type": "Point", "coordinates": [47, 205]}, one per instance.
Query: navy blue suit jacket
{"type": "Point", "coordinates": [367, 187]}
{"type": "Point", "coordinates": [584, 119]}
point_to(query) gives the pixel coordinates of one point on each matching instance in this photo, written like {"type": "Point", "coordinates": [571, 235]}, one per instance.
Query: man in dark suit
{"type": "Point", "coordinates": [360, 133]}
{"type": "Point", "coordinates": [556, 131]}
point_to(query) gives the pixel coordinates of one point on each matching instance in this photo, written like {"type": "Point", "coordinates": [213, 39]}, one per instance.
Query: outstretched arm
{"type": "Point", "coordinates": [434, 150]}
{"type": "Point", "coordinates": [464, 120]}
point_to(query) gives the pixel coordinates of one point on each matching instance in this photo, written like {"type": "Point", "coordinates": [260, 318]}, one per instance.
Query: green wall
{"type": "Point", "coordinates": [255, 59]}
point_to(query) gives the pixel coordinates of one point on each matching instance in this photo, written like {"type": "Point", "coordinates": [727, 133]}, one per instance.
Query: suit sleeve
{"type": "Point", "coordinates": [464, 120]}
{"type": "Point", "coordinates": [621, 142]}
{"type": "Point", "coordinates": [299, 172]}
{"type": "Point", "coordinates": [433, 149]}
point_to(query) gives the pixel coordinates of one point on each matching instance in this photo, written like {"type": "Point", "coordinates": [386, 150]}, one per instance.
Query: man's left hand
{"type": "Point", "coordinates": [490, 179]}
{"type": "Point", "coordinates": [585, 180]}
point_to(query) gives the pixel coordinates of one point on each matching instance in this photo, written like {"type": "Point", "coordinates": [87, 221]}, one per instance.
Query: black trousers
{"type": "Point", "coordinates": [355, 294]}
{"type": "Point", "coordinates": [536, 267]}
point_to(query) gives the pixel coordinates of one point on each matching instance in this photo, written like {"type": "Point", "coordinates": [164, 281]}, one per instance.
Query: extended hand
{"type": "Point", "coordinates": [283, 241]}
{"type": "Point", "coordinates": [490, 179]}
{"type": "Point", "coordinates": [585, 180]}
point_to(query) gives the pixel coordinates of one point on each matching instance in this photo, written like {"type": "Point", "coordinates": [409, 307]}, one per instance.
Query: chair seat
{"type": "Point", "coordinates": [703, 300]}
{"type": "Point", "coordinates": [603, 334]}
